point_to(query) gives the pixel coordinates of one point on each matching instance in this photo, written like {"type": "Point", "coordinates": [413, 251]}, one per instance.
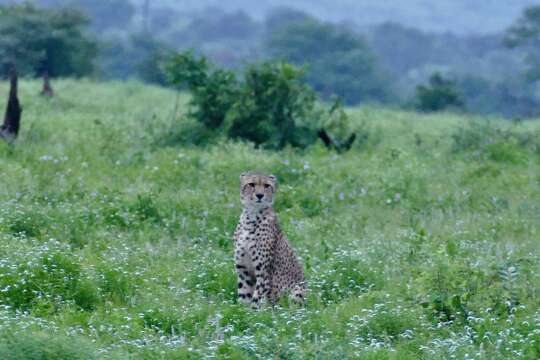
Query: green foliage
{"type": "Point", "coordinates": [339, 62]}
{"type": "Point", "coordinates": [213, 90]}
{"type": "Point", "coordinates": [274, 107]}
{"type": "Point", "coordinates": [441, 94]}
{"type": "Point", "coordinates": [38, 40]}
{"type": "Point", "coordinates": [269, 106]}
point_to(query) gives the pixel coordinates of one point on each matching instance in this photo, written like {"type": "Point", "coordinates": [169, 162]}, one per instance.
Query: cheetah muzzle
{"type": "Point", "coordinates": [265, 261]}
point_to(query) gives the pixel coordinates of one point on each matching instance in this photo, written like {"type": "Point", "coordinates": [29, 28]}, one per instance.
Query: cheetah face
{"type": "Point", "coordinates": [257, 190]}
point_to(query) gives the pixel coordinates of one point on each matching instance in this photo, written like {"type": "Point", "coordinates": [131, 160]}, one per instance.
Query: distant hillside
{"type": "Point", "coordinates": [459, 16]}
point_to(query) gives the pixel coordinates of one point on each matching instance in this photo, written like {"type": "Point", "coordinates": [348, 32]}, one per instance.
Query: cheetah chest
{"type": "Point", "coordinates": [247, 246]}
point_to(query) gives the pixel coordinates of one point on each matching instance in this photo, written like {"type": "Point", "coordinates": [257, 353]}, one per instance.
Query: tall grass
{"type": "Point", "coordinates": [421, 242]}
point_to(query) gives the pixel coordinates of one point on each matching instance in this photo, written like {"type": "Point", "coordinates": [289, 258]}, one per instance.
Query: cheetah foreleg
{"type": "Point", "coordinates": [262, 278]}
{"type": "Point", "coordinates": [245, 284]}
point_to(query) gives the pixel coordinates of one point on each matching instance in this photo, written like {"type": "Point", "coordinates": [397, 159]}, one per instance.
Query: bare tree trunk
{"type": "Point", "coordinates": [47, 88]}
{"type": "Point", "coordinates": [12, 119]}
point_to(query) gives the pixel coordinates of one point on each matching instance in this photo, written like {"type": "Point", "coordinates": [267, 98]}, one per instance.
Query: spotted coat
{"type": "Point", "coordinates": [266, 264]}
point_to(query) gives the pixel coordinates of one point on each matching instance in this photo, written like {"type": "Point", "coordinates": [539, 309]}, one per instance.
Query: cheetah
{"type": "Point", "coordinates": [266, 264]}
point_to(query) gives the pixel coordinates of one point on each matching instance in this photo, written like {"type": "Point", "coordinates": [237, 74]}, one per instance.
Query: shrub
{"type": "Point", "coordinates": [441, 94]}
{"type": "Point", "coordinates": [212, 90]}
{"type": "Point", "coordinates": [270, 105]}
{"type": "Point", "coordinates": [274, 107]}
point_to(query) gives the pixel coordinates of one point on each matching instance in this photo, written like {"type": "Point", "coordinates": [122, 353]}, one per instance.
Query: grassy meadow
{"type": "Point", "coordinates": [422, 242]}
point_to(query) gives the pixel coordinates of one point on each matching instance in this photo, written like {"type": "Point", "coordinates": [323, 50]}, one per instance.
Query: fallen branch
{"type": "Point", "coordinates": [335, 144]}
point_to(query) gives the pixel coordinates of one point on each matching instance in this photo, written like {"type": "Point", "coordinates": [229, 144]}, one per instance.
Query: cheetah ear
{"type": "Point", "coordinates": [243, 175]}
{"type": "Point", "coordinates": [273, 178]}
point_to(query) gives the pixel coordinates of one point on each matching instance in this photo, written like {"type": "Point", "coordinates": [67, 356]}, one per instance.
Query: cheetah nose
{"type": "Point", "coordinates": [259, 196]}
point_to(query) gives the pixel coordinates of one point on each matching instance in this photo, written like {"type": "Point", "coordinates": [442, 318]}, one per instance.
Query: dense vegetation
{"type": "Point", "coordinates": [420, 242]}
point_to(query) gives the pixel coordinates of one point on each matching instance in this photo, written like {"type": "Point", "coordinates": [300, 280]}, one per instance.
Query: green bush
{"type": "Point", "coordinates": [439, 95]}
{"type": "Point", "coordinates": [274, 107]}
{"type": "Point", "coordinates": [212, 90]}
{"type": "Point", "coordinates": [270, 105]}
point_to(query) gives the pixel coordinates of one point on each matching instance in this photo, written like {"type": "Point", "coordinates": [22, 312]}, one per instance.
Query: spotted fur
{"type": "Point", "coordinates": [265, 262]}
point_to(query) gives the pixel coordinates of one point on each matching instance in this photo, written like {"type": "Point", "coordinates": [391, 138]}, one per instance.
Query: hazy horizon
{"type": "Point", "coordinates": [457, 16]}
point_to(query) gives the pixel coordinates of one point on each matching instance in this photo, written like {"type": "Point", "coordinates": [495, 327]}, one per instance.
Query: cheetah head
{"type": "Point", "coordinates": [257, 190]}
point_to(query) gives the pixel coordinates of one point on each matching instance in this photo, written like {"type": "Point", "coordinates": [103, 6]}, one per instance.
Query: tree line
{"type": "Point", "coordinates": [387, 63]}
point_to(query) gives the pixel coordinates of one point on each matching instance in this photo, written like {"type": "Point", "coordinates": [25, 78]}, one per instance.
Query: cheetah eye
{"type": "Point", "coordinates": [251, 184]}
{"type": "Point", "coordinates": [266, 186]}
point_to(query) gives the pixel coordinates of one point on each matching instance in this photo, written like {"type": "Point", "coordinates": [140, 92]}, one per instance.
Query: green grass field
{"type": "Point", "coordinates": [422, 242]}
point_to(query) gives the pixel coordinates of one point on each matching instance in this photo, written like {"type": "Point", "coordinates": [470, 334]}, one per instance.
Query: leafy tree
{"type": "Point", "coordinates": [440, 94]}
{"type": "Point", "coordinates": [338, 61]}
{"type": "Point", "coordinates": [51, 41]}
{"type": "Point", "coordinates": [525, 33]}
